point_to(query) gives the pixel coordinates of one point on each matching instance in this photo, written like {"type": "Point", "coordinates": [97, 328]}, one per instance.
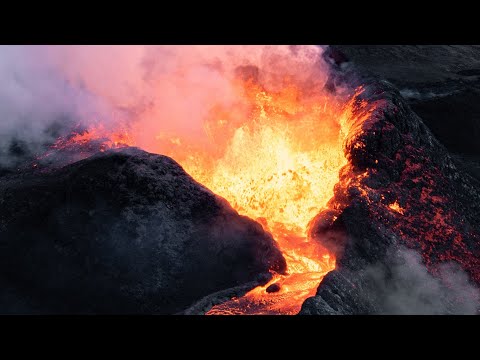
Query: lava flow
{"type": "Point", "coordinates": [275, 156]}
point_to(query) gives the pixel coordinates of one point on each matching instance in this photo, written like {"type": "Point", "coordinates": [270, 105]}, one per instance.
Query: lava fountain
{"type": "Point", "coordinates": [280, 168]}
{"type": "Point", "coordinates": [275, 154]}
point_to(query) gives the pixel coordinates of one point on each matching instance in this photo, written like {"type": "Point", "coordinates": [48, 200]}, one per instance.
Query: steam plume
{"type": "Point", "coordinates": [47, 90]}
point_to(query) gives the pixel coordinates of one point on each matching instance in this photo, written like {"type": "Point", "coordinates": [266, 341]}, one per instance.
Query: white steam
{"type": "Point", "coordinates": [155, 88]}
{"type": "Point", "coordinates": [407, 288]}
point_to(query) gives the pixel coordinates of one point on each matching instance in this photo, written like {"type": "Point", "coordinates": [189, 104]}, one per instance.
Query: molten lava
{"type": "Point", "coordinates": [397, 208]}
{"type": "Point", "coordinates": [110, 139]}
{"type": "Point", "coordinates": [275, 156]}
{"type": "Point", "coordinates": [278, 165]}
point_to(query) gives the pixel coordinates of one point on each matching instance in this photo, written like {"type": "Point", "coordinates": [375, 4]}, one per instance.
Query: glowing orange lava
{"type": "Point", "coordinates": [110, 139]}
{"type": "Point", "coordinates": [278, 164]}
{"type": "Point", "coordinates": [275, 156]}
{"type": "Point", "coordinates": [397, 208]}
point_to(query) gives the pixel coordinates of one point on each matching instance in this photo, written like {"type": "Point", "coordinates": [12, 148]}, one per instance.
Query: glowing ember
{"type": "Point", "coordinates": [110, 139]}
{"type": "Point", "coordinates": [396, 207]}
{"type": "Point", "coordinates": [275, 156]}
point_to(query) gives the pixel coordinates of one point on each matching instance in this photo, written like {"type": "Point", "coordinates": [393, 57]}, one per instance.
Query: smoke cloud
{"type": "Point", "coordinates": [36, 101]}
{"type": "Point", "coordinates": [47, 90]}
{"type": "Point", "coordinates": [406, 287]}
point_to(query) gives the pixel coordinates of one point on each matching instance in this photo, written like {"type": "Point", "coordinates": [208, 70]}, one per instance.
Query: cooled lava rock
{"type": "Point", "coordinates": [123, 231]}
{"type": "Point", "coordinates": [441, 83]}
{"type": "Point", "coordinates": [402, 207]}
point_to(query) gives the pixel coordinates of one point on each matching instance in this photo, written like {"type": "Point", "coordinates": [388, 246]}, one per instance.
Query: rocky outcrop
{"type": "Point", "coordinates": [123, 231]}
{"type": "Point", "coordinates": [400, 195]}
{"type": "Point", "coordinates": [441, 83]}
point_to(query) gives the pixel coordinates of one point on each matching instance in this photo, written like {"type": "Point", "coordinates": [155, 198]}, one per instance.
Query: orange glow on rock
{"type": "Point", "coordinates": [110, 139]}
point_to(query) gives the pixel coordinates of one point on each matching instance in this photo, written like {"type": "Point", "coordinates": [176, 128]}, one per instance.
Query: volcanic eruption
{"type": "Point", "coordinates": [258, 152]}
{"type": "Point", "coordinates": [279, 166]}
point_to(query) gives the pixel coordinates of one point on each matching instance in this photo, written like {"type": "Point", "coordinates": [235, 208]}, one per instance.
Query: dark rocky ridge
{"type": "Point", "coordinates": [441, 83]}
{"type": "Point", "coordinates": [394, 157]}
{"type": "Point", "coordinates": [124, 231]}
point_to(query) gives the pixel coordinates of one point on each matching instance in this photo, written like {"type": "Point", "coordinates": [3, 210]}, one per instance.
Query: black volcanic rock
{"type": "Point", "coordinates": [273, 288]}
{"type": "Point", "coordinates": [441, 83]}
{"type": "Point", "coordinates": [405, 220]}
{"type": "Point", "coordinates": [121, 232]}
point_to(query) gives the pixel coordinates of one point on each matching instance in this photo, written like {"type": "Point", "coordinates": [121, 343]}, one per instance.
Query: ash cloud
{"type": "Point", "coordinates": [47, 90]}
{"type": "Point", "coordinates": [407, 288]}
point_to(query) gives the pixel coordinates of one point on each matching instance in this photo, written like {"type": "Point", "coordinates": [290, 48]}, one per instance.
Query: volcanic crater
{"type": "Point", "coordinates": [299, 200]}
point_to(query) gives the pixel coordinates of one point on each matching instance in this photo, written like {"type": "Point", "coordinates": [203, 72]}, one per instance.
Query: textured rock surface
{"type": "Point", "coordinates": [441, 83]}
{"type": "Point", "coordinates": [121, 232]}
{"type": "Point", "coordinates": [401, 190]}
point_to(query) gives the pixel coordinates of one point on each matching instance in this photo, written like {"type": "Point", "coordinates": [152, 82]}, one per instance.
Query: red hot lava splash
{"type": "Point", "coordinates": [275, 155]}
